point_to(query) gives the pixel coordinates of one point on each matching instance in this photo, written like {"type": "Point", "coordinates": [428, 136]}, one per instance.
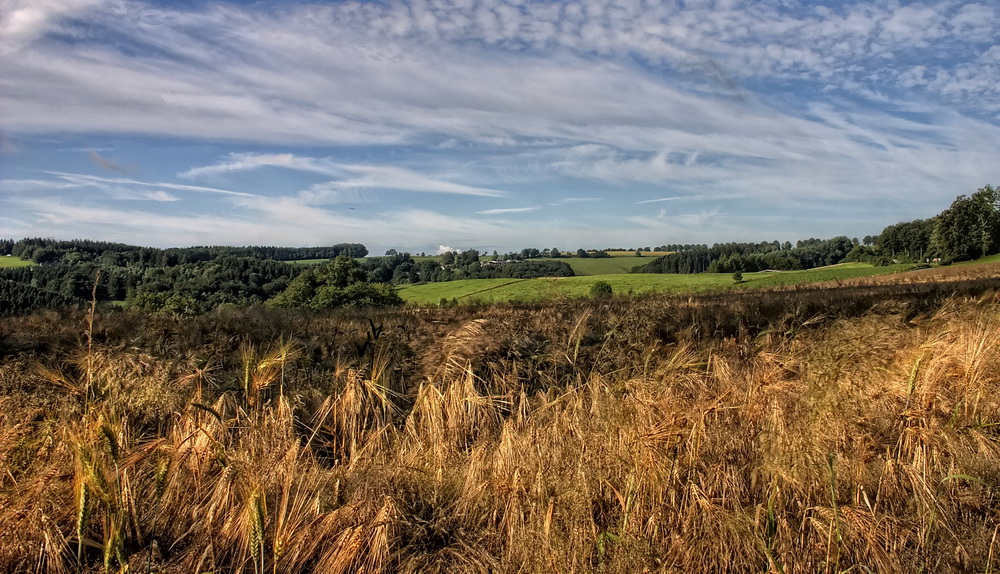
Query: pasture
{"type": "Point", "coordinates": [480, 291]}
{"type": "Point", "coordinates": [9, 262]}
{"type": "Point", "coordinates": [604, 265]}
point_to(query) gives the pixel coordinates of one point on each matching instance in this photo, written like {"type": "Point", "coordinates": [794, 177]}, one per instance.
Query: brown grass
{"type": "Point", "coordinates": [618, 437]}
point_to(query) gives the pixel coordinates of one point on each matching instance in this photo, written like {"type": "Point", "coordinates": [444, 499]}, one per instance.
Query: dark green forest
{"type": "Point", "coordinates": [191, 281]}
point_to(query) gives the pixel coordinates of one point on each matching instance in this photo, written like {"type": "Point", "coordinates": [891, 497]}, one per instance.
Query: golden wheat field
{"type": "Point", "coordinates": [792, 433]}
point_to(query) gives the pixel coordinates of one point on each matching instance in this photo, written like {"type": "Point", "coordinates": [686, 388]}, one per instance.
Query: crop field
{"type": "Point", "coordinates": [832, 430]}
{"type": "Point", "coordinates": [842, 272]}
{"type": "Point", "coordinates": [14, 262]}
{"type": "Point", "coordinates": [480, 291]}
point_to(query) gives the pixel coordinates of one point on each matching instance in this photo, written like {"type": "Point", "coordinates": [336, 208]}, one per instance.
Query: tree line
{"type": "Point", "coordinates": [401, 268]}
{"type": "Point", "coordinates": [968, 229]}
{"type": "Point", "coordinates": [747, 257]}
{"type": "Point", "coordinates": [42, 250]}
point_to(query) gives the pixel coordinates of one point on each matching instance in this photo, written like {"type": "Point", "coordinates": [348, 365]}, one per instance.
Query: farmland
{"type": "Point", "coordinates": [842, 428]}
{"type": "Point", "coordinates": [8, 262]}
{"type": "Point", "coordinates": [528, 290]}
{"type": "Point", "coordinates": [603, 265]}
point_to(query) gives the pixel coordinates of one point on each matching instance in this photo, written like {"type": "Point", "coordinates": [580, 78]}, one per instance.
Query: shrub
{"type": "Point", "coordinates": [601, 290]}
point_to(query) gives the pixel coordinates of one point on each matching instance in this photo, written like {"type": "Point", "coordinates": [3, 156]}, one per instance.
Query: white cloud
{"type": "Point", "coordinates": [92, 180]}
{"type": "Point", "coordinates": [245, 161]}
{"type": "Point", "coordinates": [568, 200]}
{"type": "Point", "coordinates": [772, 105]}
{"type": "Point", "coordinates": [391, 177]}
{"type": "Point", "coordinates": [507, 210]}
{"type": "Point", "coordinates": [23, 21]}
{"type": "Point", "coordinates": [351, 177]}
{"type": "Point", "coordinates": [660, 200]}
{"type": "Point", "coordinates": [400, 72]}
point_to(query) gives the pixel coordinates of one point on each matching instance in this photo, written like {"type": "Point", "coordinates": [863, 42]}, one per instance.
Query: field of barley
{"type": "Point", "coordinates": [808, 430]}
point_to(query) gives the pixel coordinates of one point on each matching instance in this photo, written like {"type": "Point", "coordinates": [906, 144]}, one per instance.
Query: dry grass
{"type": "Point", "coordinates": [534, 440]}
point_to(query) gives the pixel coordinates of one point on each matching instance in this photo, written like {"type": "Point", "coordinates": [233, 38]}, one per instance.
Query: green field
{"type": "Point", "coordinates": [527, 290]}
{"type": "Point", "coordinates": [6, 262]}
{"type": "Point", "coordinates": [603, 265]}
{"type": "Point", "coordinates": [987, 259]}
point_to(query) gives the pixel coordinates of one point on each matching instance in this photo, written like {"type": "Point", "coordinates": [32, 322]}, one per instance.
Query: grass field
{"type": "Point", "coordinates": [604, 265]}
{"type": "Point", "coordinates": [7, 262]}
{"type": "Point", "coordinates": [988, 259]}
{"type": "Point", "coordinates": [311, 261]}
{"type": "Point", "coordinates": [528, 290]}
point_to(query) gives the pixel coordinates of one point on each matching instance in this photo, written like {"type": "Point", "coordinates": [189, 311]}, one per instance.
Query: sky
{"type": "Point", "coordinates": [428, 125]}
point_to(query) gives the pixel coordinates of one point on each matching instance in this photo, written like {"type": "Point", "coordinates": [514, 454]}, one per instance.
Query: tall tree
{"type": "Point", "coordinates": [970, 228]}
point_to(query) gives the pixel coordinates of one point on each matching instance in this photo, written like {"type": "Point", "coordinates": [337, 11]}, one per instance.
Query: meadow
{"type": "Point", "coordinates": [485, 291]}
{"type": "Point", "coordinates": [622, 263]}
{"type": "Point", "coordinates": [815, 429]}
{"type": "Point", "coordinates": [6, 262]}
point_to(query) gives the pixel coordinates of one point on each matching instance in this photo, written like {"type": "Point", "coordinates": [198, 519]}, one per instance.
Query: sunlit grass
{"type": "Point", "coordinates": [528, 290]}
{"type": "Point", "coordinates": [604, 265]}
{"type": "Point", "coordinates": [8, 262]}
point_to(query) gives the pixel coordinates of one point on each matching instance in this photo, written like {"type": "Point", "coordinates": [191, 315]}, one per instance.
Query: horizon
{"type": "Point", "coordinates": [475, 124]}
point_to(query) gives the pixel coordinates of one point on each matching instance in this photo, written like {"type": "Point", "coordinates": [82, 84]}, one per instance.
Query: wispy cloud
{"type": "Point", "coordinates": [507, 210]}
{"type": "Point", "coordinates": [760, 108]}
{"type": "Point", "coordinates": [236, 162]}
{"type": "Point", "coordinates": [349, 176]}
{"type": "Point", "coordinates": [660, 200]}
{"type": "Point", "coordinates": [693, 198]}
{"type": "Point", "coordinates": [572, 200]}
{"type": "Point", "coordinates": [405, 72]}
{"type": "Point", "coordinates": [82, 179]}
{"type": "Point", "coordinates": [391, 177]}
{"type": "Point", "coordinates": [24, 21]}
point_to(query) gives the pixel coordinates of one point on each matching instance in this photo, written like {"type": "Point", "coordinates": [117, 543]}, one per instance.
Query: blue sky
{"type": "Point", "coordinates": [490, 124]}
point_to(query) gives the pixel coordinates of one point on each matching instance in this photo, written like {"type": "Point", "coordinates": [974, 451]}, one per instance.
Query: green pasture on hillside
{"type": "Point", "coordinates": [6, 262]}
{"type": "Point", "coordinates": [987, 259]}
{"type": "Point", "coordinates": [544, 289]}
{"type": "Point", "coordinates": [602, 265]}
